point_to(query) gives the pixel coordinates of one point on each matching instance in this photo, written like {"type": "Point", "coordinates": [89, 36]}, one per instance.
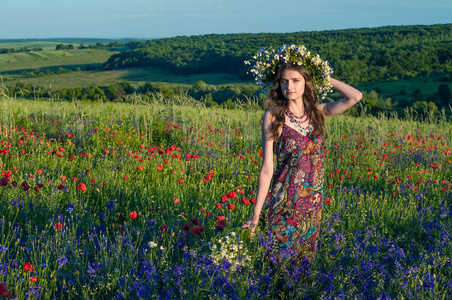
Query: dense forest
{"type": "Point", "coordinates": [357, 55]}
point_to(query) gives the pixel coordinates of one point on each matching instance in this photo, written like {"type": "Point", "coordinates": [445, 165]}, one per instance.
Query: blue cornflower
{"type": "Point", "coordinates": [61, 261]}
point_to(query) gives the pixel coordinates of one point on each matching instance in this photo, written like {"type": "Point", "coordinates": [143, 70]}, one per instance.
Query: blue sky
{"type": "Point", "coordinates": [166, 18]}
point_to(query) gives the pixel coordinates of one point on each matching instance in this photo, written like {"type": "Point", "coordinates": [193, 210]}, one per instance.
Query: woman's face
{"type": "Point", "coordinates": [292, 84]}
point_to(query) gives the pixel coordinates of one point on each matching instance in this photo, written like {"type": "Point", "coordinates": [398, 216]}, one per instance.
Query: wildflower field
{"type": "Point", "coordinates": [145, 201]}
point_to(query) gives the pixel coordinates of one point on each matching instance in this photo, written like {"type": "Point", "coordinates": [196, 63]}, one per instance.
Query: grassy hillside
{"type": "Point", "coordinates": [49, 44]}
{"type": "Point", "coordinates": [45, 45]}
{"type": "Point", "coordinates": [403, 89]}
{"type": "Point", "coordinates": [135, 76]}
{"type": "Point", "coordinates": [15, 63]}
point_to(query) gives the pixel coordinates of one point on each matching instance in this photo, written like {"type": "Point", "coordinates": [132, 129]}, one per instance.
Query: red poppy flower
{"type": "Point", "coordinates": [61, 187]}
{"type": "Point", "coordinates": [133, 215]}
{"type": "Point", "coordinates": [82, 187]}
{"type": "Point", "coordinates": [231, 206]}
{"type": "Point", "coordinates": [208, 177]}
{"type": "Point", "coordinates": [180, 181]}
{"type": "Point", "coordinates": [219, 206]}
{"type": "Point", "coordinates": [33, 278]}
{"type": "Point", "coordinates": [194, 221]}
{"type": "Point", "coordinates": [245, 201]}
{"type": "Point", "coordinates": [221, 224]}
{"type": "Point", "coordinates": [224, 198]}
{"type": "Point", "coordinates": [232, 195]}
{"type": "Point", "coordinates": [164, 228]}
{"type": "Point", "coordinates": [4, 291]}
{"type": "Point", "coordinates": [28, 267]}
{"type": "Point", "coordinates": [197, 230]}
{"type": "Point", "coordinates": [176, 200]}
{"type": "Point", "coordinates": [328, 200]}
{"type": "Point", "coordinates": [186, 227]}
{"type": "Point", "coordinates": [140, 168]}
{"type": "Point", "coordinates": [219, 218]}
{"type": "Point", "coordinates": [59, 226]}
{"type": "Point", "coordinates": [211, 172]}
{"type": "Point", "coordinates": [4, 181]}
{"type": "Point", "coordinates": [160, 167]}
{"type": "Point", "coordinates": [253, 200]}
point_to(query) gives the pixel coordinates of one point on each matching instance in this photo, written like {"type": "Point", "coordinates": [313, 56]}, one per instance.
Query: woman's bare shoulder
{"type": "Point", "coordinates": [268, 117]}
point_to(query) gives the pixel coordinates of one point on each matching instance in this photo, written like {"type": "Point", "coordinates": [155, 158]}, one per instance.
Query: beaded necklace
{"type": "Point", "coordinates": [298, 121]}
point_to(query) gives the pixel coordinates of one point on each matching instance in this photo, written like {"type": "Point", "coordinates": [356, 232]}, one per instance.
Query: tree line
{"type": "Point", "coordinates": [20, 50]}
{"type": "Point", "coordinates": [120, 91]}
{"type": "Point", "coordinates": [98, 45]}
{"type": "Point", "coordinates": [229, 96]}
{"type": "Point", "coordinates": [357, 55]}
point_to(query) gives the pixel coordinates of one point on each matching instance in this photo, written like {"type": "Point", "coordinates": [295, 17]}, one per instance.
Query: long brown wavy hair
{"type": "Point", "coordinates": [279, 105]}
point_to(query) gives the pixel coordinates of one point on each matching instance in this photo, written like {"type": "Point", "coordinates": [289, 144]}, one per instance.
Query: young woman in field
{"type": "Point", "coordinates": [293, 129]}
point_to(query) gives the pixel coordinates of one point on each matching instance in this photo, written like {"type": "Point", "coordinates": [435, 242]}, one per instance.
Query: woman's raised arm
{"type": "Point", "coordinates": [351, 97]}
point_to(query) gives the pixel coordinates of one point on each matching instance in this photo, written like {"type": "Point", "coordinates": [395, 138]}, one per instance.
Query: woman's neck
{"type": "Point", "coordinates": [297, 107]}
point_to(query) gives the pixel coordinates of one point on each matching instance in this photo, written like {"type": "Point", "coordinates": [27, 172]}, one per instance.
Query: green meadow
{"type": "Point", "coordinates": [46, 46]}
{"type": "Point", "coordinates": [136, 76]}
{"type": "Point", "coordinates": [15, 63]}
{"type": "Point", "coordinates": [144, 200]}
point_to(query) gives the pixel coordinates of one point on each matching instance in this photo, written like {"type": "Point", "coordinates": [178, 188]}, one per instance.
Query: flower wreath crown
{"type": "Point", "coordinates": [267, 62]}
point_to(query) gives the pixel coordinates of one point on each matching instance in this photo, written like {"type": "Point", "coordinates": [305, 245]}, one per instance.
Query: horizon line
{"type": "Point", "coordinates": [164, 37]}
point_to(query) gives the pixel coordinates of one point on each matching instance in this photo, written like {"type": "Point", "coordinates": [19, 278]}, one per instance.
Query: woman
{"type": "Point", "coordinates": [293, 129]}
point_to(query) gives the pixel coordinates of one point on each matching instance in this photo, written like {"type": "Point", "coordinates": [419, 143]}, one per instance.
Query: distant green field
{"type": "Point", "coordinates": [403, 89]}
{"type": "Point", "coordinates": [135, 76]}
{"type": "Point", "coordinates": [47, 46]}
{"type": "Point", "coordinates": [29, 61]}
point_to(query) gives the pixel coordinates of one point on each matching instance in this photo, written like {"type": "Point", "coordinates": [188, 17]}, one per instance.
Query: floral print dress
{"type": "Point", "coordinates": [295, 204]}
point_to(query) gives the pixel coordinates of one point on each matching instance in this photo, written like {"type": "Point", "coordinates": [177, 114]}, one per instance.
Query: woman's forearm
{"type": "Point", "coordinates": [351, 97]}
{"type": "Point", "coordinates": [265, 177]}
{"type": "Point", "coordinates": [346, 90]}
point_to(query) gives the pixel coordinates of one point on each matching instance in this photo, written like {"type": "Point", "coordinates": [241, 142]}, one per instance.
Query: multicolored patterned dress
{"type": "Point", "coordinates": [295, 205]}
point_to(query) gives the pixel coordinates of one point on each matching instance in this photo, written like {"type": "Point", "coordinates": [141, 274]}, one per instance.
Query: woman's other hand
{"type": "Point", "coordinates": [251, 224]}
